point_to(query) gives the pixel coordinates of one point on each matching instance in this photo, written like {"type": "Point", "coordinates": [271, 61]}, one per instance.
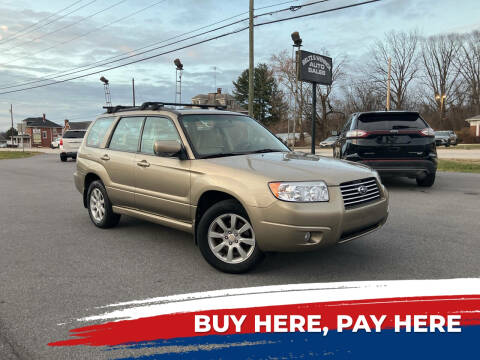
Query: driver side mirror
{"type": "Point", "coordinates": [168, 148]}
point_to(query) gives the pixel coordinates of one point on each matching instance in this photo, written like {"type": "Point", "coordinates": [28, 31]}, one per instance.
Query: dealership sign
{"type": "Point", "coordinates": [315, 68]}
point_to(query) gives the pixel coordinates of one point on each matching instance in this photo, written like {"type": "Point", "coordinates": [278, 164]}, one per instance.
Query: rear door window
{"type": "Point", "coordinates": [98, 131]}
{"type": "Point", "coordinates": [127, 134]}
{"type": "Point", "coordinates": [382, 121]}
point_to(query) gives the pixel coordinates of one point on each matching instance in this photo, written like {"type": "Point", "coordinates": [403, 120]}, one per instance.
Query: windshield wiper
{"type": "Point", "coordinates": [222, 155]}
{"type": "Point", "coordinates": [240, 153]}
{"type": "Point", "coordinates": [264, 151]}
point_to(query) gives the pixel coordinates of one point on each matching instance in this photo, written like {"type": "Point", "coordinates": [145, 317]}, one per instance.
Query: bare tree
{"type": "Point", "coordinates": [402, 48]}
{"type": "Point", "coordinates": [284, 69]}
{"type": "Point", "coordinates": [468, 64]}
{"type": "Point", "coordinates": [324, 97]}
{"type": "Point", "coordinates": [442, 77]}
{"type": "Point", "coordinates": [362, 96]}
{"type": "Point", "coordinates": [283, 66]}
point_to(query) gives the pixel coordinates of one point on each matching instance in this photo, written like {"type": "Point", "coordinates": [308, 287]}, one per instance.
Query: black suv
{"type": "Point", "coordinates": [397, 143]}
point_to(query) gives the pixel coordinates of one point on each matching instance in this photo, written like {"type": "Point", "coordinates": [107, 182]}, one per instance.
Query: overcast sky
{"type": "Point", "coordinates": [37, 39]}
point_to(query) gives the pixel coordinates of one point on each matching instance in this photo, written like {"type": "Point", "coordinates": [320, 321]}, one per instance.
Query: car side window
{"type": "Point", "coordinates": [127, 134]}
{"type": "Point", "coordinates": [156, 129]}
{"type": "Point", "coordinates": [98, 131]}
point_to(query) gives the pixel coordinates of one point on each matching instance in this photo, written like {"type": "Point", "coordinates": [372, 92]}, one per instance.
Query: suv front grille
{"type": "Point", "coordinates": [359, 192]}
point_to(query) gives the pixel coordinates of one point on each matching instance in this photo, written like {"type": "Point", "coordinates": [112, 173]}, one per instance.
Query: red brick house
{"type": "Point", "coordinates": [41, 131]}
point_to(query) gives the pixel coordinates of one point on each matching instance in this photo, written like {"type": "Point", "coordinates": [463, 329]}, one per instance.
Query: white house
{"type": "Point", "coordinates": [474, 125]}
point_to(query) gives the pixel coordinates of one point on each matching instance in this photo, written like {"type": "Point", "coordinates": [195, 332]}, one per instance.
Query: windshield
{"type": "Point", "coordinates": [223, 135]}
{"type": "Point", "coordinates": [392, 121]}
{"type": "Point", "coordinates": [331, 138]}
{"type": "Point", "coordinates": [442, 133]}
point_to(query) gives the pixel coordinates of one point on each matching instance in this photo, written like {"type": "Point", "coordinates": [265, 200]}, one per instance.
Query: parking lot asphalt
{"type": "Point", "coordinates": [55, 266]}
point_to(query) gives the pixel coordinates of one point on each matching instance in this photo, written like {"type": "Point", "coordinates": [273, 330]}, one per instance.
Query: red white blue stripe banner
{"type": "Point", "coordinates": [348, 320]}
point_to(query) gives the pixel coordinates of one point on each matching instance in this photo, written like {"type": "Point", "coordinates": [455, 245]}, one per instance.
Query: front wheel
{"type": "Point", "coordinates": [226, 238]}
{"type": "Point", "coordinates": [427, 181]}
{"type": "Point", "coordinates": [63, 157]}
{"type": "Point", "coordinates": [100, 207]}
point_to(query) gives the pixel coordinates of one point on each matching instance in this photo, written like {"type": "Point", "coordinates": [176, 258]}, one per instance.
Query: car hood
{"type": "Point", "coordinates": [294, 166]}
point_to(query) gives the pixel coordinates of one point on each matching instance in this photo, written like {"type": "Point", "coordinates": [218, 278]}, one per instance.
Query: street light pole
{"type": "Point", "coordinates": [133, 91]}
{"type": "Point", "coordinates": [251, 69]}
{"type": "Point", "coordinates": [11, 130]}
{"type": "Point", "coordinates": [297, 43]}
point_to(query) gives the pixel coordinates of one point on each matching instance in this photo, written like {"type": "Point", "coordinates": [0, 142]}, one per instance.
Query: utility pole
{"type": "Point", "coordinates": [215, 78]}
{"type": "Point", "coordinates": [251, 69]}
{"type": "Point", "coordinates": [11, 130]}
{"type": "Point", "coordinates": [133, 91]}
{"type": "Point", "coordinates": [388, 82]}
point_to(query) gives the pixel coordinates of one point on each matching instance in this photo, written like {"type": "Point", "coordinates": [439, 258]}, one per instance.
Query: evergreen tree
{"type": "Point", "coordinates": [268, 99]}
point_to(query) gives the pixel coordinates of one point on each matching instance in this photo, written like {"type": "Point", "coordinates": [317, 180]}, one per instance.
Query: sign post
{"type": "Point", "coordinates": [316, 69]}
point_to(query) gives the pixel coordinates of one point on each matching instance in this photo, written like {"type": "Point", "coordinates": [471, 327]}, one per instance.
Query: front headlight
{"type": "Point", "coordinates": [300, 191]}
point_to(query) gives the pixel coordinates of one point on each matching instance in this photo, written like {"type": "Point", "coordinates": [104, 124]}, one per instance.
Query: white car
{"type": "Point", "coordinates": [55, 143]}
{"type": "Point", "coordinates": [70, 142]}
{"type": "Point", "coordinates": [329, 142]}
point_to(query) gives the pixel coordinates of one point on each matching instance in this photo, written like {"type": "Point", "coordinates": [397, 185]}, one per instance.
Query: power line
{"type": "Point", "coordinates": [69, 25]}
{"type": "Point", "coordinates": [144, 47]}
{"type": "Point", "coordinates": [184, 47]}
{"type": "Point", "coordinates": [137, 53]}
{"type": "Point", "coordinates": [317, 12]}
{"type": "Point", "coordinates": [22, 33]}
{"type": "Point", "coordinates": [88, 32]}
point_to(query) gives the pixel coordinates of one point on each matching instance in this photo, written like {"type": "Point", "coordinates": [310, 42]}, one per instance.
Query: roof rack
{"type": "Point", "coordinates": [157, 106]}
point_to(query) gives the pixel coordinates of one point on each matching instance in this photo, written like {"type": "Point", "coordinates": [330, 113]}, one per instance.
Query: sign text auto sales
{"type": "Point", "coordinates": [315, 68]}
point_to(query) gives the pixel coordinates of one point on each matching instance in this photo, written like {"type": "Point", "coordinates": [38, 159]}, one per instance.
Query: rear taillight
{"type": "Point", "coordinates": [427, 132]}
{"type": "Point", "coordinates": [61, 142]}
{"type": "Point", "coordinates": [352, 134]}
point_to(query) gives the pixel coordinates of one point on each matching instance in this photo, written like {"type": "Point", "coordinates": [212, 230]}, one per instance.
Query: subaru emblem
{"type": "Point", "coordinates": [362, 190]}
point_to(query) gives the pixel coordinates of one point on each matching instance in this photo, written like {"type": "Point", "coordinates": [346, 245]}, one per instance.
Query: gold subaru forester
{"type": "Point", "coordinates": [224, 178]}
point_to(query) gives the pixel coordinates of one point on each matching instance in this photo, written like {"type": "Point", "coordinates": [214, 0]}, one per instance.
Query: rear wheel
{"type": "Point", "coordinates": [100, 207]}
{"type": "Point", "coordinates": [63, 157]}
{"type": "Point", "coordinates": [427, 181]}
{"type": "Point", "coordinates": [226, 238]}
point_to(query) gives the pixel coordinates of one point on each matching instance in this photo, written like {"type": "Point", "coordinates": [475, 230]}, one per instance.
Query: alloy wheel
{"type": "Point", "coordinates": [97, 205]}
{"type": "Point", "coordinates": [231, 238]}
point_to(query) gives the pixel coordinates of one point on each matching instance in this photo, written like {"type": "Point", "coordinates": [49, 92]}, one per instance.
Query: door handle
{"type": "Point", "coordinates": [105, 157]}
{"type": "Point", "coordinates": [143, 163]}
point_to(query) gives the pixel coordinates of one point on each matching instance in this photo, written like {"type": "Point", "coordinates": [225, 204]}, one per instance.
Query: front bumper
{"type": "Point", "coordinates": [287, 226]}
{"type": "Point", "coordinates": [79, 179]}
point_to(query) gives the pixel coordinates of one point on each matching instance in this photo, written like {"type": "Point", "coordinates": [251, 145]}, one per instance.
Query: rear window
{"type": "Point", "coordinates": [74, 134]}
{"type": "Point", "coordinates": [382, 121]}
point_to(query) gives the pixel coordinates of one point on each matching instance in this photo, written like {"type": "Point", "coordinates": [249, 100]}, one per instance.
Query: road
{"type": "Point", "coordinates": [55, 266]}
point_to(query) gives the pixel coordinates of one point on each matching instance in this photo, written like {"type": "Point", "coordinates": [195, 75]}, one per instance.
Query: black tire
{"type": "Point", "coordinates": [427, 181]}
{"type": "Point", "coordinates": [222, 208]}
{"type": "Point", "coordinates": [109, 218]}
{"type": "Point", "coordinates": [63, 157]}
